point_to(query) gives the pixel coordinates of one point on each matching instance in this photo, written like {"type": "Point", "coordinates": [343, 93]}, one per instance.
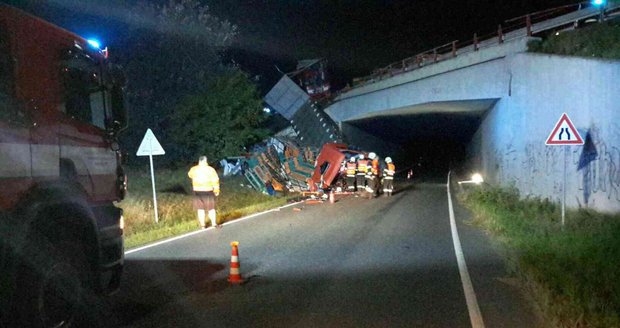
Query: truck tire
{"type": "Point", "coordinates": [54, 292]}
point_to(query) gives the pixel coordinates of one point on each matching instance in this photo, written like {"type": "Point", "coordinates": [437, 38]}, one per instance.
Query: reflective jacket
{"type": "Point", "coordinates": [389, 171]}
{"type": "Point", "coordinates": [351, 167]}
{"type": "Point", "coordinates": [204, 178]}
{"type": "Point", "coordinates": [374, 169]}
{"type": "Point", "coordinates": [362, 166]}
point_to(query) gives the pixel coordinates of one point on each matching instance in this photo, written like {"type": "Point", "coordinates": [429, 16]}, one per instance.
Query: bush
{"type": "Point", "coordinates": [599, 40]}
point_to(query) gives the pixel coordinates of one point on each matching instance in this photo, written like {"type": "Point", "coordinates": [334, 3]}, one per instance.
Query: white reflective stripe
{"type": "Point", "coordinates": [205, 189]}
{"type": "Point", "coordinates": [37, 160]}
{"type": "Point", "coordinates": [90, 160]}
{"type": "Point", "coordinates": [234, 270]}
{"type": "Point", "coordinates": [234, 259]}
{"type": "Point", "coordinates": [45, 160]}
{"type": "Point", "coordinates": [388, 178]}
{"type": "Point", "coordinates": [14, 160]}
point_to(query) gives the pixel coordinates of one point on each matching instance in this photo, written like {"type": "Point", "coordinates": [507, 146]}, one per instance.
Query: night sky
{"type": "Point", "coordinates": [354, 36]}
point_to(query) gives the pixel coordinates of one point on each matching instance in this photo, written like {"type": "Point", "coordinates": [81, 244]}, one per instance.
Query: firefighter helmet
{"type": "Point", "coordinates": [388, 160]}
{"type": "Point", "coordinates": [372, 155]}
{"type": "Point", "coordinates": [361, 156]}
{"type": "Point", "coordinates": [352, 159]}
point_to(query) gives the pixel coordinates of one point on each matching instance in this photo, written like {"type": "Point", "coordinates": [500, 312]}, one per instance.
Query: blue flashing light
{"type": "Point", "coordinates": [598, 2]}
{"type": "Point", "coordinates": [94, 43]}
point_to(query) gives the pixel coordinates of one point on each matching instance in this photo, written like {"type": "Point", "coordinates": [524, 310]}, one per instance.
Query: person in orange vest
{"type": "Point", "coordinates": [372, 176]}
{"type": "Point", "coordinates": [351, 170]}
{"type": "Point", "coordinates": [206, 185]}
{"type": "Point", "coordinates": [362, 168]}
{"type": "Point", "coordinates": [388, 176]}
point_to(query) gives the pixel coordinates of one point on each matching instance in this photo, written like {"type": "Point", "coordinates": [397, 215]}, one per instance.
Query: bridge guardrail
{"type": "Point", "coordinates": [514, 28]}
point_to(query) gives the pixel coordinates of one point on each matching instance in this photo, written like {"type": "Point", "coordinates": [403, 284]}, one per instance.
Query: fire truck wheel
{"type": "Point", "coordinates": [56, 290]}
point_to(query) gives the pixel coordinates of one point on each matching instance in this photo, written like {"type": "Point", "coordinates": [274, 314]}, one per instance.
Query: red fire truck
{"type": "Point", "coordinates": [61, 110]}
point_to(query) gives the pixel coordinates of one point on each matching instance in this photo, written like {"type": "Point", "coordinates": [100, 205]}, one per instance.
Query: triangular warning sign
{"type": "Point", "coordinates": [564, 133]}
{"type": "Point", "coordinates": [150, 145]}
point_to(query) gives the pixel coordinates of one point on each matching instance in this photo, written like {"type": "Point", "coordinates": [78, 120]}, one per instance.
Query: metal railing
{"type": "Point", "coordinates": [514, 28]}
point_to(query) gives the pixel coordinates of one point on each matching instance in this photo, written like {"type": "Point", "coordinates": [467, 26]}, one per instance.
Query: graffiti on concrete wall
{"type": "Point", "coordinates": [539, 163]}
{"type": "Point", "coordinates": [593, 170]}
{"type": "Point", "coordinates": [599, 164]}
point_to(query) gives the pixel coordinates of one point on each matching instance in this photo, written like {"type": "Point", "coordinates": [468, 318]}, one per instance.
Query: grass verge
{"type": "Point", "coordinates": [174, 199]}
{"type": "Point", "coordinates": [572, 272]}
{"type": "Point", "coordinates": [598, 41]}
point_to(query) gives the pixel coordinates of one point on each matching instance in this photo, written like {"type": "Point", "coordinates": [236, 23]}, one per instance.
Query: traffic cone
{"type": "Point", "coordinates": [332, 197]}
{"type": "Point", "coordinates": [235, 276]}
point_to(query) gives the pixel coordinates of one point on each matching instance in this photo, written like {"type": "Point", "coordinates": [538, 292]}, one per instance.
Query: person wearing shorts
{"type": "Point", "coordinates": [206, 186]}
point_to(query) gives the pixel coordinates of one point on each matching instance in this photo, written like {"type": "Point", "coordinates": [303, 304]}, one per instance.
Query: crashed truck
{"type": "Point", "coordinates": [283, 165]}
{"type": "Point", "coordinates": [308, 156]}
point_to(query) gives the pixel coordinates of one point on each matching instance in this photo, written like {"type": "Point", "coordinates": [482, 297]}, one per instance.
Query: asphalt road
{"type": "Point", "coordinates": [387, 262]}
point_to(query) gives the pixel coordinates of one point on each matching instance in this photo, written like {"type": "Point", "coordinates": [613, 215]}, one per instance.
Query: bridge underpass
{"type": "Point", "coordinates": [529, 92]}
{"type": "Point", "coordinates": [432, 137]}
{"type": "Point", "coordinates": [499, 108]}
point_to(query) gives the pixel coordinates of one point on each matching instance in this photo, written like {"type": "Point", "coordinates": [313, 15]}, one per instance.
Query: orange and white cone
{"type": "Point", "coordinates": [235, 276]}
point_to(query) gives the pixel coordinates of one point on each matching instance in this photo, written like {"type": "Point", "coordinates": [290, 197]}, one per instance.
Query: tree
{"type": "Point", "coordinates": [170, 52]}
{"type": "Point", "coordinates": [221, 121]}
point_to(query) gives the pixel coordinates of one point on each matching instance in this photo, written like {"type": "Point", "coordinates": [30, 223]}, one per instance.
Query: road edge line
{"type": "Point", "coordinates": [475, 315]}
{"type": "Point", "coordinates": [165, 241]}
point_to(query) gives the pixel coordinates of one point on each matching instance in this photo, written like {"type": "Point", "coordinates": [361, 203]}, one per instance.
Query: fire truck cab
{"type": "Point", "coordinates": [61, 110]}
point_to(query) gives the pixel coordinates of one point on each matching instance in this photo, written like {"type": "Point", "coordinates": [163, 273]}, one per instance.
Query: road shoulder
{"type": "Point", "coordinates": [502, 300]}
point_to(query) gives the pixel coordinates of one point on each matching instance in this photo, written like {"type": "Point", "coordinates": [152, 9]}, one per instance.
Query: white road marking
{"type": "Point", "coordinates": [475, 316]}
{"type": "Point", "coordinates": [165, 241]}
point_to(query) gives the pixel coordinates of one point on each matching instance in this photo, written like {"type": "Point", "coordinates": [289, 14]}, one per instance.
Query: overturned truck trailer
{"type": "Point", "coordinates": [291, 163]}
{"type": "Point", "coordinates": [312, 126]}
{"type": "Point", "coordinates": [278, 165]}
{"type": "Point", "coordinates": [282, 165]}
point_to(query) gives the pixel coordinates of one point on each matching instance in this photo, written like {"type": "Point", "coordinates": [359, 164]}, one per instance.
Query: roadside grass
{"type": "Point", "coordinates": [573, 272]}
{"type": "Point", "coordinates": [174, 200]}
{"type": "Point", "coordinates": [597, 40]}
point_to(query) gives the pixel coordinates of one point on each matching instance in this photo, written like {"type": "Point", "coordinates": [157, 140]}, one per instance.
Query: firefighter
{"type": "Point", "coordinates": [351, 168]}
{"type": "Point", "coordinates": [362, 168]}
{"type": "Point", "coordinates": [372, 176]}
{"type": "Point", "coordinates": [206, 185]}
{"type": "Point", "coordinates": [388, 177]}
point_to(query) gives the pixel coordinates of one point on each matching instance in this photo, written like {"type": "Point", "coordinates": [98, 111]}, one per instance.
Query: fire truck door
{"type": "Point", "coordinates": [15, 168]}
{"type": "Point", "coordinates": [82, 135]}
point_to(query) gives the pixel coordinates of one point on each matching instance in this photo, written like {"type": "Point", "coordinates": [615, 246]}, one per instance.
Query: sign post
{"type": "Point", "coordinates": [564, 134]}
{"type": "Point", "coordinates": [148, 147]}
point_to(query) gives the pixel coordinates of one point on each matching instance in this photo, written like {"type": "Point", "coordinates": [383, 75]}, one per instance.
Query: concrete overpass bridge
{"type": "Point", "coordinates": [494, 105]}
